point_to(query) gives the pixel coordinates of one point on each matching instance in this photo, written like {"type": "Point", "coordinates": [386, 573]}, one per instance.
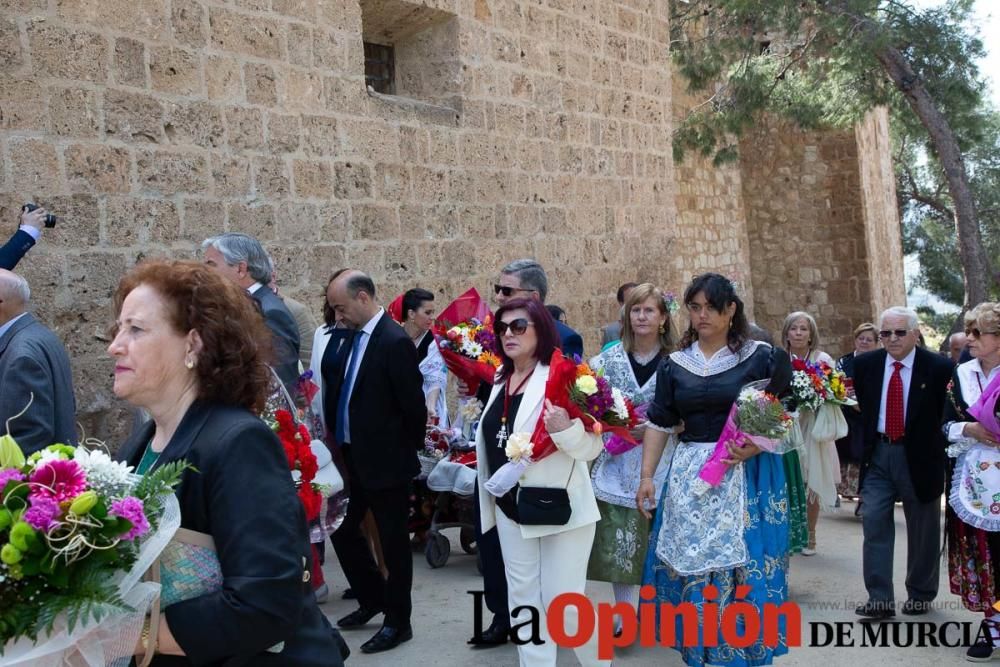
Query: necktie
{"type": "Point", "coordinates": [345, 389]}
{"type": "Point", "coordinates": [894, 426]}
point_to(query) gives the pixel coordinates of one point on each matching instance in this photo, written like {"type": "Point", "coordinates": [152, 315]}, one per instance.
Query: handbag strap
{"type": "Point", "coordinates": [572, 468]}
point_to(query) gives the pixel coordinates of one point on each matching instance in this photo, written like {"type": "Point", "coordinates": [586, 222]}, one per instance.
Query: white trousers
{"type": "Point", "coordinates": [538, 569]}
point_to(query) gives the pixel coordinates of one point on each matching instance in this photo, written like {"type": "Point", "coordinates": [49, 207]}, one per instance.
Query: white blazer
{"type": "Point", "coordinates": [575, 446]}
{"type": "Point", "coordinates": [320, 339]}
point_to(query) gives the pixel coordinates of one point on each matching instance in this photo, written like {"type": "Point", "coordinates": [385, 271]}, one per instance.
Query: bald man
{"type": "Point", "coordinates": [36, 385]}
{"type": "Point", "coordinates": [957, 343]}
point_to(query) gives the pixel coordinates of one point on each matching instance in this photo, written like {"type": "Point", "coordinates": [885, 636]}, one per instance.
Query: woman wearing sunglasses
{"type": "Point", "coordinates": [973, 529]}
{"type": "Point", "coordinates": [540, 561]}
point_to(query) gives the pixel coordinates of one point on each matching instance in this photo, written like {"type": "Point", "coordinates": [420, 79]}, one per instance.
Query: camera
{"type": "Point", "coordinates": [50, 220]}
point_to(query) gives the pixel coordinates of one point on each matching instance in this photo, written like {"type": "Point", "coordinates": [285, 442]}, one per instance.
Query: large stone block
{"type": "Point", "coordinates": [300, 45]}
{"type": "Point", "coordinates": [302, 91]}
{"type": "Point", "coordinates": [194, 123]}
{"type": "Point", "coordinates": [283, 133]}
{"type": "Point", "coordinates": [335, 221]}
{"type": "Point", "coordinates": [175, 71]}
{"type": "Point", "coordinates": [149, 19]}
{"type": "Point", "coordinates": [133, 222]}
{"type": "Point", "coordinates": [261, 84]}
{"type": "Point", "coordinates": [79, 223]}
{"type": "Point", "coordinates": [189, 22]}
{"type": "Point", "coordinates": [201, 219]}
{"type": "Point", "coordinates": [11, 57]}
{"type": "Point", "coordinates": [34, 167]}
{"type": "Point", "coordinates": [250, 35]}
{"type": "Point", "coordinates": [96, 168]}
{"type": "Point", "coordinates": [130, 63]}
{"type": "Point", "coordinates": [297, 223]}
{"type": "Point", "coordinates": [271, 176]}
{"type": "Point", "coordinates": [353, 181]}
{"type": "Point", "coordinates": [245, 128]}
{"type": "Point", "coordinates": [374, 222]}
{"type": "Point", "coordinates": [67, 54]}
{"type": "Point", "coordinates": [312, 179]}
{"type": "Point", "coordinates": [223, 78]}
{"type": "Point", "coordinates": [133, 116]}
{"type": "Point", "coordinates": [231, 176]}
{"type": "Point", "coordinates": [73, 112]}
{"type": "Point", "coordinates": [392, 182]}
{"type": "Point", "coordinates": [319, 136]}
{"type": "Point", "coordinates": [299, 9]}
{"type": "Point", "coordinates": [168, 172]}
{"type": "Point", "coordinates": [22, 104]}
{"type": "Point", "coordinates": [255, 219]}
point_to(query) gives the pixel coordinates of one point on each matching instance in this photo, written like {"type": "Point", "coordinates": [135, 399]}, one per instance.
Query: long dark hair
{"type": "Point", "coordinates": [719, 293]}
{"type": "Point", "coordinates": [545, 331]}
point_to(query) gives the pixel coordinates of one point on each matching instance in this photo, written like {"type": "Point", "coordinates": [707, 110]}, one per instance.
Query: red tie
{"type": "Point", "coordinates": [894, 427]}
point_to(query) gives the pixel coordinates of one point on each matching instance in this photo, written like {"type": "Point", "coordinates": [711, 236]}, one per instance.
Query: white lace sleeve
{"type": "Point", "coordinates": [434, 370]}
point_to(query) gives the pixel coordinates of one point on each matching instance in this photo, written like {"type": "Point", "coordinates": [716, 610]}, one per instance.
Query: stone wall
{"type": "Point", "coordinates": [147, 125]}
{"type": "Point", "coordinates": [818, 204]}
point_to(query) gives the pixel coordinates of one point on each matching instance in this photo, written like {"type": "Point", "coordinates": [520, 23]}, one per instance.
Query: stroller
{"type": "Point", "coordinates": [448, 472]}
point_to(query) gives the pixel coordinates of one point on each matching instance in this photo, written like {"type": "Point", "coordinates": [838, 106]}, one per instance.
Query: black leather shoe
{"type": "Point", "coordinates": [387, 638]}
{"type": "Point", "coordinates": [875, 611]}
{"type": "Point", "coordinates": [496, 635]}
{"type": "Point", "coordinates": [358, 617]}
{"type": "Point", "coordinates": [916, 607]}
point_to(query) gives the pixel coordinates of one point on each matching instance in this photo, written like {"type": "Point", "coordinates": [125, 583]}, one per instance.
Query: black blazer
{"type": "Point", "coordinates": [388, 416]}
{"type": "Point", "coordinates": [14, 249]}
{"type": "Point", "coordinates": [242, 495]}
{"type": "Point", "coordinates": [924, 443]}
{"type": "Point", "coordinates": [286, 334]}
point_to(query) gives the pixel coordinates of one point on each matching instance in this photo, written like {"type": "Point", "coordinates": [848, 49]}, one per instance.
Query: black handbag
{"type": "Point", "coordinates": [544, 506]}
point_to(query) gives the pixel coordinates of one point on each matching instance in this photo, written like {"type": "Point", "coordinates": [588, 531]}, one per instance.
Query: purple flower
{"type": "Point", "coordinates": [7, 475]}
{"type": "Point", "coordinates": [42, 513]}
{"type": "Point", "coordinates": [131, 509]}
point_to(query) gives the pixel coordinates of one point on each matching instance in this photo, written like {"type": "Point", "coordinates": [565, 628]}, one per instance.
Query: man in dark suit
{"type": "Point", "coordinates": [377, 414]}
{"type": "Point", "coordinates": [525, 279]}
{"type": "Point", "coordinates": [34, 368]}
{"type": "Point", "coordinates": [23, 239]}
{"type": "Point", "coordinates": [242, 259]}
{"type": "Point", "coordinates": [901, 393]}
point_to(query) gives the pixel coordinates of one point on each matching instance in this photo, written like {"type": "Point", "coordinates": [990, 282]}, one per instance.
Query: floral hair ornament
{"type": "Point", "coordinates": [670, 302]}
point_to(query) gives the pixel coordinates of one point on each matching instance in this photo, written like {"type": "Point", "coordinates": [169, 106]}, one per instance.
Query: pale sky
{"type": "Point", "coordinates": [988, 21]}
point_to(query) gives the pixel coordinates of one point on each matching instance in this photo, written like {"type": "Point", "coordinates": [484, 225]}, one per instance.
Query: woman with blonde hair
{"type": "Point", "coordinates": [629, 365]}
{"type": "Point", "coordinates": [820, 465]}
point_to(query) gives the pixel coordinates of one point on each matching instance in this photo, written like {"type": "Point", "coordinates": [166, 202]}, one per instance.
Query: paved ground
{"type": "Point", "coordinates": [826, 586]}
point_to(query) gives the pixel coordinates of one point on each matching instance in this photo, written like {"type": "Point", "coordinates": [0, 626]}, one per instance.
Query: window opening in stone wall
{"type": "Point", "coordinates": [380, 68]}
{"type": "Point", "coordinates": [411, 51]}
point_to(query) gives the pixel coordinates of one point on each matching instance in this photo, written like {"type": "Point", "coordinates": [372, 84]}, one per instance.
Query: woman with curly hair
{"type": "Point", "coordinates": [190, 348]}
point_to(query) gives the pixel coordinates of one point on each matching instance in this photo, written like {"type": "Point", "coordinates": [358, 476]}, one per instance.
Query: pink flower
{"type": "Point", "coordinates": [131, 509]}
{"type": "Point", "coordinates": [42, 513]}
{"type": "Point", "coordinates": [8, 475]}
{"type": "Point", "coordinates": [59, 480]}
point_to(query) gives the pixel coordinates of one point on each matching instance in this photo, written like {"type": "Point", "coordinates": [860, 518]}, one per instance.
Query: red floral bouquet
{"type": "Point", "coordinates": [296, 441]}
{"type": "Point", "coordinates": [464, 334]}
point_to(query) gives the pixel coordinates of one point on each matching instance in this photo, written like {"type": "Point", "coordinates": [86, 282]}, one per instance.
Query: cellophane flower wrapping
{"type": "Point", "coordinates": [464, 335]}
{"type": "Point", "coordinates": [70, 589]}
{"type": "Point", "coordinates": [757, 415]}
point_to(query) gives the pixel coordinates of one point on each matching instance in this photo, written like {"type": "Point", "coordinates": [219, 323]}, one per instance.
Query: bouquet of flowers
{"type": "Point", "coordinates": [616, 444]}
{"type": "Point", "coordinates": [757, 415]}
{"type": "Point", "coordinates": [464, 334]}
{"type": "Point", "coordinates": [298, 449]}
{"type": "Point", "coordinates": [814, 384]}
{"type": "Point", "coordinates": [586, 396]}
{"type": "Point", "coordinates": [77, 531]}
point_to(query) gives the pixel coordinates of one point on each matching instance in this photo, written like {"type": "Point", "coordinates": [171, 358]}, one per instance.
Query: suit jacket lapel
{"type": "Point", "coordinates": [180, 444]}
{"type": "Point", "coordinates": [362, 369]}
{"type": "Point", "coordinates": [26, 320]}
{"type": "Point", "coordinates": [534, 394]}
{"type": "Point", "coordinates": [918, 380]}
{"type": "Point", "coordinates": [874, 402]}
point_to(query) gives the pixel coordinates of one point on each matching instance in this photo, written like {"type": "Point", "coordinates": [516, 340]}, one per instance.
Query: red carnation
{"type": "Point", "coordinates": [311, 501]}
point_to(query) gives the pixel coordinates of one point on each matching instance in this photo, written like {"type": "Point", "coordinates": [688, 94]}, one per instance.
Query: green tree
{"type": "Point", "coordinates": [824, 63]}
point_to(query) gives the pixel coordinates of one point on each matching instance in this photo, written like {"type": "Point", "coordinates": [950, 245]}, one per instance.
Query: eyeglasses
{"type": "Point", "coordinates": [886, 334]}
{"type": "Point", "coordinates": [509, 291]}
{"type": "Point", "coordinates": [976, 332]}
{"type": "Point", "coordinates": [516, 327]}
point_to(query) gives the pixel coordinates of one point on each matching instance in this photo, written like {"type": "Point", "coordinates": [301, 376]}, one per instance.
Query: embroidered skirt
{"type": "Point", "coordinates": [973, 554]}
{"type": "Point", "coordinates": [798, 527]}
{"type": "Point", "coordinates": [620, 544]}
{"type": "Point", "coordinates": [766, 538]}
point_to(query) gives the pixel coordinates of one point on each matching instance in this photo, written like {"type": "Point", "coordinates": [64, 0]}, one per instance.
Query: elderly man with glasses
{"type": "Point", "coordinates": [525, 278]}
{"type": "Point", "coordinates": [901, 391]}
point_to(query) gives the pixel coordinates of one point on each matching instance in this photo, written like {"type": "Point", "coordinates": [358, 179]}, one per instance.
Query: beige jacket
{"type": "Point", "coordinates": [575, 448]}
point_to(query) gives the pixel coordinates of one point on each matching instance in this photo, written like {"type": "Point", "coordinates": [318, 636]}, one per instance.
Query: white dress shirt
{"type": "Point", "coordinates": [906, 372]}
{"type": "Point", "coordinates": [973, 381]}
{"type": "Point", "coordinates": [253, 288]}
{"type": "Point", "coordinates": [366, 333]}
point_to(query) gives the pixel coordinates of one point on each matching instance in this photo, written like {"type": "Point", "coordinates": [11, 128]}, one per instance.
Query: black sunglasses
{"type": "Point", "coordinates": [885, 334]}
{"type": "Point", "coordinates": [509, 291]}
{"type": "Point", "coordinates": [978, 333]}
{"type": "Point", "coordinates": [517, 327]}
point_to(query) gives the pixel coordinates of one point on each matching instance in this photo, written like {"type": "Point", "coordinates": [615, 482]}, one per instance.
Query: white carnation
{"type": "Point", "coordinates": [104, 474]}
{"type": "Point", "coordinates": [620, 408]}
{"type": "Point", "coordinates": [519, 446]}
